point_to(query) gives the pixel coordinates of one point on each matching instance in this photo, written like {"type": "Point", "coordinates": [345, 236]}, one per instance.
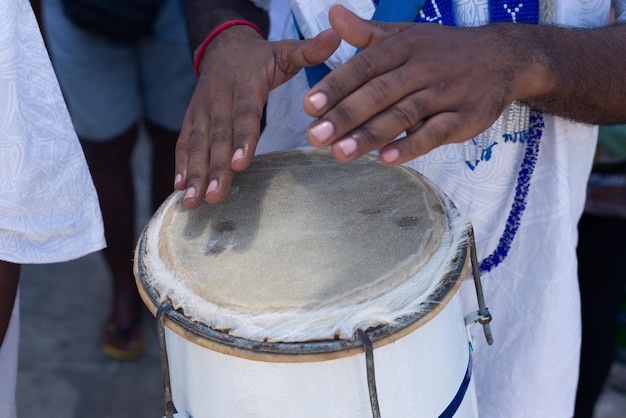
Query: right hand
{"type": "Point", "coordinates": [222, 124]}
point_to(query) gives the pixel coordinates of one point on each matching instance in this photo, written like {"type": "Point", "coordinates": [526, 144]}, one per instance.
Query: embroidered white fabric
{"type": "Point", "coordinates": [312, 18]}
{"type": "Point", "coordinates": [533, 295]}
{"type": "Point", "coordinates": [49, 209]}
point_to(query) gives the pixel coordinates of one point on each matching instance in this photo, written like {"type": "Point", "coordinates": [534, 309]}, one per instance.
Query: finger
{"type": "Point", "coordinates": [220, 137]}
{"type": "Point", "coordinates": [364, 66]}
{"type": "Point", "coordinates": [247, 115]}
{"type": "Point", "coordinates": [382, 128]}
{"type": "Point", "coordinates": [374, 97]}
{"type": "Point", "coordinates": [210, 128]}
{"type": "Point", "coordinates": [415, 128]}
{"type": "Point", "coordinates": [290, 56]}
{"type": "Point", "coordinates": [358, 32]}
{"type": "Point", "coordinates": [440, 129]}
{"type": "Point", "coordinates": [406, 115]}
{"type": "Point", "coordinates": [192, 151]}
{"type": "Point", "coordinates": [318, 49]}
{"type": "Point", "coordinates": [181, 153]}
{"type": "Point", "coordinates": [356, 73]}
{"type": "Point", "coordinates": [196, 179]}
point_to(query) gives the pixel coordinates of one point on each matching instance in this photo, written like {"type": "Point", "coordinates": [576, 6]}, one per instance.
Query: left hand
{"type": "Point", "coordinates": [438, 84]}
{"type": "Point", "coordinates": [221, 126]}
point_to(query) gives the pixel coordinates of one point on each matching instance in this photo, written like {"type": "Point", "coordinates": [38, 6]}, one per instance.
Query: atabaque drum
{"type": "Point", "coordinates": [316, 289]}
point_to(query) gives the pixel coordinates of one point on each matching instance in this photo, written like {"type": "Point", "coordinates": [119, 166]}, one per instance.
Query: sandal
{"type": "Point", "coordinates": [123, 343]}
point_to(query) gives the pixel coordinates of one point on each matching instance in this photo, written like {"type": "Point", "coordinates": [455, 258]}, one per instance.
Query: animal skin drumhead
{"type": "Point", "coordinates": [299, 237]}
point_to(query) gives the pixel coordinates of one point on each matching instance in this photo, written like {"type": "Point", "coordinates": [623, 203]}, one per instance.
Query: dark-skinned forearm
{"type": "Point", "coordinates": [203, 16]}
{"type": "Point", "coordinates": [584, 73]}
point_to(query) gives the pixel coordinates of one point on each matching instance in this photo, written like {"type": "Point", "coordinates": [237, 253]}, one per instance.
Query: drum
{"type": "Point", "coordinates": [316, 289]}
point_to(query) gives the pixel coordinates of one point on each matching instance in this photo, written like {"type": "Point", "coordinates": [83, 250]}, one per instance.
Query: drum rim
{"type": "Point", "coordinates": [225, 343]}
{"type": "Point", "coordinates": [314, 350]}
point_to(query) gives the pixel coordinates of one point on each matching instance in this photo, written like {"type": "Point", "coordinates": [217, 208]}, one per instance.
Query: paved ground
{"type": "Point", "coordinates": [62, 373]}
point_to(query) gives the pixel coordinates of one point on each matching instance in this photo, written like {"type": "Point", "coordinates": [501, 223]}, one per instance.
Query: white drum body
{"type": "Point", "coordinates": [418, 375]}
{"type": "Point", "coordinates": [241, 349]}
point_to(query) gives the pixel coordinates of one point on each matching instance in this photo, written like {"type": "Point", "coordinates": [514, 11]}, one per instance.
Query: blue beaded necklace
{"type": "Point", "coordinates": [442, 12]}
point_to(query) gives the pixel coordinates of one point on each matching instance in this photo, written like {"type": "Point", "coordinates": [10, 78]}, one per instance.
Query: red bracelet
{"type": "Point", "coordinates": [217, 31]}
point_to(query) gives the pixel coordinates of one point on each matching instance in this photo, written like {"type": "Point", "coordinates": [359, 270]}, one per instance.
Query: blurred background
{"type": "Point", "coordinates": [64, 374]}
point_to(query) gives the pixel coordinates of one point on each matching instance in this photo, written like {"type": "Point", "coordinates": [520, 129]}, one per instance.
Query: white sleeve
{"type": "Point", "coordinates": [263, 4]}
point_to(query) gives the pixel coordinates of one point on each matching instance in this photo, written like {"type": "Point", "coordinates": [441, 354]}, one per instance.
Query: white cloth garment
{"type": "Point", "coordinates": [49, 209]}
{"type": "Point", "coordinates": [531, 370]}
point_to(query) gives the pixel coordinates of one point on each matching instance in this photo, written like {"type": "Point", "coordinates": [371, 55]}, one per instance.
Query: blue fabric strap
{"type": "Point", "coordinates": [454, 405]}
{"type": "Point", "coordinates": [397, 10]}
{"type": "Point", "coordinates": [441, 12]}
{"type": "Point", "coordinates": [514, 11]}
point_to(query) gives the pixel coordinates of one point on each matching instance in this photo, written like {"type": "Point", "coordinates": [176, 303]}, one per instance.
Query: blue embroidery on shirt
{"type": "Point", "coordinates": [520, 136]}
{"type": "Point", "coordinates": [535, 131]}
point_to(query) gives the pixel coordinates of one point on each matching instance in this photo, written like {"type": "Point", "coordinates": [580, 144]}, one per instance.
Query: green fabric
{"type": "Point", "coordinates": [612, 139]}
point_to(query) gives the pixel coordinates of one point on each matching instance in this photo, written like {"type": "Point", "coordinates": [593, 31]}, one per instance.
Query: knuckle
{"type": "Point", "coordinates": [380, 90]}
{"type": "Point", "coordinates": [366, 135]}
{"type": "Point", "coordinates": [343, 115]}
{"type": "Point", "coordinates": [438, 134]}
{"type": "Point", "coordinates": [197, 179]}
{"type": "Point", "coordinates": [412, 110]}
{"type": "Point", "coordinates": [196, 144]}
{"type": "Point", "coordinates": [364, 65]}
{"type": "Point", "coordinates": [406, 114]}
{"type": "Point", "coordinates": [181, 146]}
{"type": "Point", "coordinates": [219, 140]}
{"type": "Point", "coordinates": [245, 111]}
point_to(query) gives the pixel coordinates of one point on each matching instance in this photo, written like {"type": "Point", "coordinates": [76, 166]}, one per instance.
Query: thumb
{"type": "Point", "coordinates": [316, 50]}
{"type": "Point", "coordinates": [361, 33]}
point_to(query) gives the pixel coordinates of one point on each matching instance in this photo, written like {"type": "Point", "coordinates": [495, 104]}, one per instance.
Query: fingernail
{"type": "Point", "coordinates": [318, 100]}
{"type": "Point", "coordinates": [322, 131]}
{"type": "Point", "coordinates": [212, 186]}
{"type": "Point", "coordinates": [178, 179]}
{"type": "Point", "coordinates": [390, 155]}
{"type": "Point", "coordinates": [191, 193]}
{"type": "Point", "coordinates": [237, 155]}
{"type": "Point", "coordinates": [348, 146]}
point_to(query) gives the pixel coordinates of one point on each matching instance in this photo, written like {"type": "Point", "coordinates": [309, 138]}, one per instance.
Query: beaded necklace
{"type": "Point", "coordinates": [522, 125]}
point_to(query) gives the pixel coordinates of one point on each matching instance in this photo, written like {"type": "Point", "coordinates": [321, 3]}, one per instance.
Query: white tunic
{"type": "Point", "coordinates": [49, 209]}
{"type": "Point", "coordinates": [531, 370]}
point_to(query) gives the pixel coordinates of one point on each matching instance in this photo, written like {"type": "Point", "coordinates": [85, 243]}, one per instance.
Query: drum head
{"type": "Point", "coordinates": [300, 236]}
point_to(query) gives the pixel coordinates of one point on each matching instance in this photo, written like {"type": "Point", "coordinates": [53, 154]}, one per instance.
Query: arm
{"type": "Point", "coordinates": [237, 71]}
{"type": "Point", "coordinates": [204, 16]}
{"type": "Point", "coordinates": [443, 85]}
{"type": "Point", "coordinates": [584, 77]}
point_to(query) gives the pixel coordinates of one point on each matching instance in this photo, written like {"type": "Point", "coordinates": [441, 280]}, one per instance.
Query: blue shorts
{"type": "Point", "coordinates": [109, 86]}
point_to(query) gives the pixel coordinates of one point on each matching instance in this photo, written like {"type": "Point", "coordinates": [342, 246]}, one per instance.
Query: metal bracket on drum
{"type": "Point", "coordinates": [482, 316]}
{"type": "Point", "coordinates": [371, 377]}
{"type": "Point", "coordinates": [165, 367]}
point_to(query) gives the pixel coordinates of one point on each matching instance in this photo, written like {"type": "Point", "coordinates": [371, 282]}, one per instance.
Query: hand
{"type": "Point", "coordinates": [438, 84]}
{"type": "Point", "coordinates": [222, 124]}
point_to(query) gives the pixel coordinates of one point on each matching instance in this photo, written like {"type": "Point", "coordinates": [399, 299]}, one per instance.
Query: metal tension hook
{"type": "Point", "coordinates": [482, 316]}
